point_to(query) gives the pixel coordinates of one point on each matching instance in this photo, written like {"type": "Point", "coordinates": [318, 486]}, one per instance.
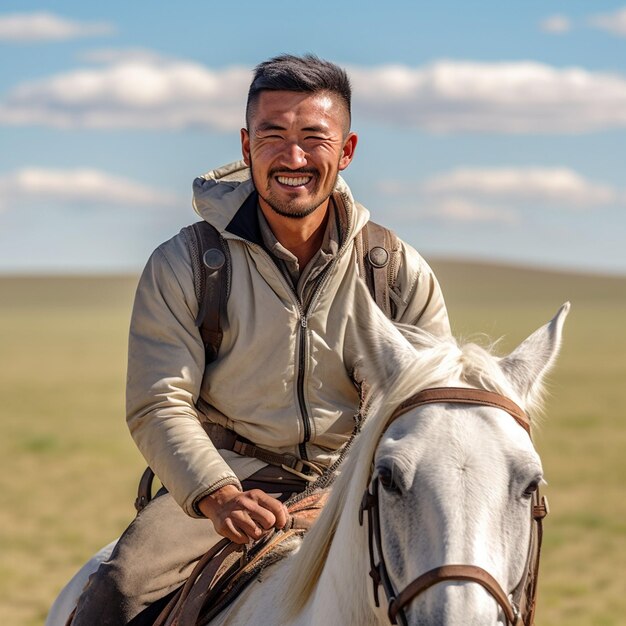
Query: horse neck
{"type": "Point", "coordinates": [343, 589]}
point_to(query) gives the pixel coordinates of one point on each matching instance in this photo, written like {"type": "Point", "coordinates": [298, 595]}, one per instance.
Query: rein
{"type": "Point", "coordinates": [521, 608]}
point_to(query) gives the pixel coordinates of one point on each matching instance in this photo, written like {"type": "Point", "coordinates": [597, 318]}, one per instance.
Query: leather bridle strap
{"type": "Point", "coordinates": [469, 573]}
{"type": "Point", "coordinates": [463, 395]}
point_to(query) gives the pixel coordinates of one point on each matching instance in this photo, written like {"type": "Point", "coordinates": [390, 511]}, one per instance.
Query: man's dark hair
{"type": "Point", "coordinates": [308, 74]}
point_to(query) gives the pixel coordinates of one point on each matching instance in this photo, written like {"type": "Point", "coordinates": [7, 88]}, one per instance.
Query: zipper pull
{"type": "Point", "coordinates": [303, 321]}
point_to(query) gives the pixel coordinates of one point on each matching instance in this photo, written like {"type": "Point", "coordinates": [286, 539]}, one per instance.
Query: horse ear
{"type": "Point", "coordinates": [527, 365]}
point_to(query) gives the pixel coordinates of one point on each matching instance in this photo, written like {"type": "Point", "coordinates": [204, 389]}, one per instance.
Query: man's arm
{"type": "Point", "coordinates": [165, 371]}
{"type": "Point", "coordinates": [419, 300]}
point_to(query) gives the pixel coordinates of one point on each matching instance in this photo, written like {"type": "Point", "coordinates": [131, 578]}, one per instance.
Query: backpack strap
{"type": "Point", "coordinates": [378, 251]}
{"type": "Point", "coordinates": [210, 261]}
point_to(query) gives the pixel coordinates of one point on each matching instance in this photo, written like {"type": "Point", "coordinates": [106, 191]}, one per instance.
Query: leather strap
{"type": "Point", "coordinates": [210, 261]}
{"type": "Point", "coordinates": [377, 250]}
{"type": "Point", "coordinates": [301, 470]}
{"type": "Point", "coordinates": [286, 461]}
{"type": "Point", "coordinates": [191, 605]}
{"type": "Point", "coordinates": [469, 573]}
{"type": "Point", "coordinates": [225, 439]}
{"type": "Point", "coordinates": [378, 257]}
{"type": "Point", "coordinates": [169, 611]}
{"type": "Point", "coordinates": [525, 596]}
{"type": "Point", "coordinates": [463, 396]}
{"type": "Point", "coordinates": [144, 489]}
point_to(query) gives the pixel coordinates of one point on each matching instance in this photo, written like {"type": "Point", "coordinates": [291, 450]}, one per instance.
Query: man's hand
{"type": "Point", "coordinates": [243, 516]}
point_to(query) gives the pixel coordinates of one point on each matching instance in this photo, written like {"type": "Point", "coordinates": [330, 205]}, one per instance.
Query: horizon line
{"type": "Point", "coordinates": [430, 259]}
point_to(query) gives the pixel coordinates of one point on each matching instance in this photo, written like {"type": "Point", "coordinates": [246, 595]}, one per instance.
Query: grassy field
{"type": "Point", "coordinates": [69, 468]}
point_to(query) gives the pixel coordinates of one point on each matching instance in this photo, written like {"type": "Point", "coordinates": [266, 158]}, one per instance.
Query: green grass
{"type": "Point", "coordinates": [69, 467]}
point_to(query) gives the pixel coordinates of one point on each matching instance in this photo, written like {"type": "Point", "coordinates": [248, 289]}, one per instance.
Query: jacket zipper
{"type": "Point", "coordinates": [304, 413]}
{"type": "Point", "coordinates": [304, 310]}
{"type": "Point", "coordinates": [300, 351]}
{"type": "Point", "coordinates": [306, 420]}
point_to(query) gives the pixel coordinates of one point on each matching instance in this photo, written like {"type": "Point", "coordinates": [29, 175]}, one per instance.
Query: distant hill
{"type": "Point", "coordinates": [57, 291]}
{"type": "Point", "coordinates": [465, 283]}
{"type": "Point", "coordinates": [470, 282]}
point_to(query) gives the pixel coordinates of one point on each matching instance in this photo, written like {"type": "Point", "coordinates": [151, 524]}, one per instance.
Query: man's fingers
{"type": "Point", "coordinates": [264, 509]}
{"type": "Point", "coordinates": [229, 531]}
{"type": "Point", "coordinates": [250, 515]}
{"type": "Point", "coordinates": [275, 507]}
{"type": "Point", "coordinates": [246, 524]}
{"type": "Point", "coordinates": [261, 515]}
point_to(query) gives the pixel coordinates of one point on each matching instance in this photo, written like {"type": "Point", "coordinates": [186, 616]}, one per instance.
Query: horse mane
{"type": "Point", "coordinates": [403, 361]}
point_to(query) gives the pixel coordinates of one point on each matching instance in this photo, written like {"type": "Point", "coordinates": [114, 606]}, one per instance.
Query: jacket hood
{"type": "Point", "coordinates": [220, 193]}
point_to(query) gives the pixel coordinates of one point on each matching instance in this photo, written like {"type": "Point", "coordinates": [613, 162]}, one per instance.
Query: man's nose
{"type": "Point", "coordinates": [293, 156]}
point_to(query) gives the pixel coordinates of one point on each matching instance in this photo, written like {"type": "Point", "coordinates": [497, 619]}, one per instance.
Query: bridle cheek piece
{"type": "Point", "coordinates": [520, 610]}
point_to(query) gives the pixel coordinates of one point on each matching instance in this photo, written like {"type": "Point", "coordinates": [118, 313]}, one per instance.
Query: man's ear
{"type": "Point", "coordinates": [245, 146]}
{"type": "Point", "coordinates": [347, 154]}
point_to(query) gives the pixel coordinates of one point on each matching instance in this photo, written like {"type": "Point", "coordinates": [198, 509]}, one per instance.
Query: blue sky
{"type": "Point", "coordinates": [488, 130]}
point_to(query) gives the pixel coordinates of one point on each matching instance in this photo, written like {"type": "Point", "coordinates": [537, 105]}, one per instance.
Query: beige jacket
{"type": "Point", "coordinates": [283, 375]}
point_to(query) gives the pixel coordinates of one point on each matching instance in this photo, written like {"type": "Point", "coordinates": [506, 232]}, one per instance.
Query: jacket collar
{"type": "Point", "coordinates": [245, 223]}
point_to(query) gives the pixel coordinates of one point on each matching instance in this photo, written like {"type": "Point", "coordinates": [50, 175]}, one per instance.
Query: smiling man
{"type": "Point", "coordinates": [278, 401]}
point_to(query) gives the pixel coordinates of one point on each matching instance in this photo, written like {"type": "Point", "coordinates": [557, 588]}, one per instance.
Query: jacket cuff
{"type": "Point", "coordinates": [193, 511]}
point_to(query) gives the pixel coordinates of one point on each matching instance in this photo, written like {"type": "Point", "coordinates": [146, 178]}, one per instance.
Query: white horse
{"type": "Point", "coordinates": [454, 484]}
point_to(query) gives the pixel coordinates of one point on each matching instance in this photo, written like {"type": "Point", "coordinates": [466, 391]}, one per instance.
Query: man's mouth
{"type": "Point", "coordinates": [294, 181]}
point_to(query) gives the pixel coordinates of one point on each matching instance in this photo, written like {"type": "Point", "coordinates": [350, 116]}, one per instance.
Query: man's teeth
{"type": "Point", "coordinates": [293, 182]}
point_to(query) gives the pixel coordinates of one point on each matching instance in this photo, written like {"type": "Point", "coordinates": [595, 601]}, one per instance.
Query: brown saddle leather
{"type": "Point", "coordinates": [226, 570]}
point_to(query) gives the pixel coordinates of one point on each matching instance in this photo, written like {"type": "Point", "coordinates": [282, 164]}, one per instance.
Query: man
{"type": "Point", "coordinates": [282, 379]}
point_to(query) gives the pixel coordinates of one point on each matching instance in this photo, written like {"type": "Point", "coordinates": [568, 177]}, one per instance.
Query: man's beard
{"type": "Point", "coordinates": [293, 208]}
{"type": "Point", "coordinates": [288, 209]}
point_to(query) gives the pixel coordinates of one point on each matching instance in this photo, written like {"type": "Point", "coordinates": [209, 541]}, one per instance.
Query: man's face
{"type": "Point", "coordinates": [296, 146]}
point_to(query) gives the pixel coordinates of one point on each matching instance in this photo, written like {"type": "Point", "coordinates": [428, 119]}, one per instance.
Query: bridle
{"type": "Point", "coordinates": [520, 609]}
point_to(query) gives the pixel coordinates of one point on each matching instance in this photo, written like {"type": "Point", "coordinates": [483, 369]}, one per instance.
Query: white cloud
{"type": "Point", "coordinates": [462, 210]}
{"type": "Point", "coordinates": [614, 23]}
{"type": "Point", "coordinates": [556, 24]}
{"type": "Point", "coordinates": [141, 89]}
{"type": "Point", "coordinates": [499, 195]}
{"type": "Point", "coordinates": [77, 187]}
{"type": "Point", "coordinates": [520, 97]}
{"type": "Point", "coordinates": [134, 91]}
{"type": "Point", "coordinates": [42, 26]}
{"type": "Point", "coordinates": [555, 186]}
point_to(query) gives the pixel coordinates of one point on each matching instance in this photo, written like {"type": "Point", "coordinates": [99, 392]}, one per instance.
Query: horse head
{"type": "Point", "coordinates": [450, 485]}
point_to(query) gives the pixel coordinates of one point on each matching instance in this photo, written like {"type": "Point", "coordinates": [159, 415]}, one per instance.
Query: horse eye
{"type": "Point", "coordinates": [385, 476]}
{"type": "Point", "coordinates": [532, 487]}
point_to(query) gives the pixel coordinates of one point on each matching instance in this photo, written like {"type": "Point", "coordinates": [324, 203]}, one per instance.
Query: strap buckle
{"type": "Point", "coordinates": [298, 466]}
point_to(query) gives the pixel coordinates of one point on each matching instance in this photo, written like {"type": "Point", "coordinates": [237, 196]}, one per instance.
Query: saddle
{"type": "Point", "coordinates": [227, 569]}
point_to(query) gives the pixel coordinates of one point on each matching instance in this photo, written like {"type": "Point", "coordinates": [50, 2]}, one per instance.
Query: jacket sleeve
{"type": "Point", "coordinates": [165, 370]}
{"type": "Point", "coordinates": [418, 296]}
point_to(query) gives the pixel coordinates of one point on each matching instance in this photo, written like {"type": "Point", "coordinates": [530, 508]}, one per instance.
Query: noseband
{"type": "Point", "coordinates": [520, 609]}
